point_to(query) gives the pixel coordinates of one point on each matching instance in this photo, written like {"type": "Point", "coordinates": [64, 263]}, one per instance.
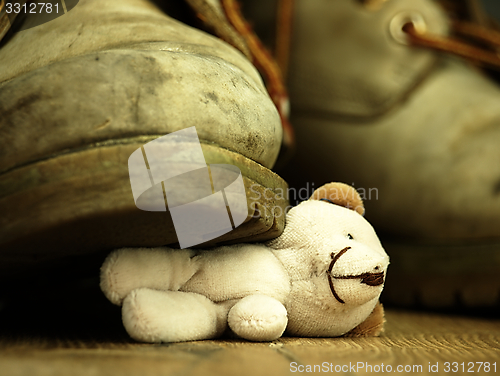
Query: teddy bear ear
{"type": "Point", "coordinates": [340, 194]}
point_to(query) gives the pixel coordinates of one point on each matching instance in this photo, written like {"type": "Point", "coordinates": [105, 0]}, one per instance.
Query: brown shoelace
{"type": "Point", "coordinates": [480, 43]}
{"type": "Point", "coordinates": [485, 56]}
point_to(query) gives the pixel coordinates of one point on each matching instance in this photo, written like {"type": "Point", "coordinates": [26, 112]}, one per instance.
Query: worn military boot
{"type": "Point", "coordinates": [81, 93]}
{"type": "Point", "coordinates": [416, 131]}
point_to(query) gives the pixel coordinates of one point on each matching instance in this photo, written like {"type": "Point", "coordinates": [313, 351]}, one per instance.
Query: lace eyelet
{"type": "Point", "coordinates": [400, 20]}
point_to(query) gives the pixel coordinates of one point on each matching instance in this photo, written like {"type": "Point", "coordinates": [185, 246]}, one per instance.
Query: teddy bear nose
{"type": "Point", "coordinates": [373, 279]}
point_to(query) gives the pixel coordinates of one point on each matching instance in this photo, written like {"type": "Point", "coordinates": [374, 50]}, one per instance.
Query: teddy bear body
{"type": "Point", "coordinates": [322, 277]}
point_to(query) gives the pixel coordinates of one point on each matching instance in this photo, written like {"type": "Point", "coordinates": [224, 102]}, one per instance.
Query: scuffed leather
{"type": "Point", "coordinates": [112, 69]}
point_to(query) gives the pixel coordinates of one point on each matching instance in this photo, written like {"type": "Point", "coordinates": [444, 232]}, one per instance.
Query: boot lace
{"type": "Point", "coordinates": [472, 34]}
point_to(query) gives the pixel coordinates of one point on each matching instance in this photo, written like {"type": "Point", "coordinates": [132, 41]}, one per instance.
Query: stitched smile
{"type": "Point", "coordinates": [370, 279]}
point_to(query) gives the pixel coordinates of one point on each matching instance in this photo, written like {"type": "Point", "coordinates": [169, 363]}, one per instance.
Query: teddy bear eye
{"type": "Point", "coordinates": [349, 236]}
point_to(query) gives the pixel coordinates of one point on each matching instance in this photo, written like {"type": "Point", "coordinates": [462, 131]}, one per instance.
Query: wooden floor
{"type": "Point", "coordinates": [411, 339]}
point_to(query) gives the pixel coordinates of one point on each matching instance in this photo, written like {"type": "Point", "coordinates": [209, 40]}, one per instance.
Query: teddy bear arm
{"type": "Point", "coordinates": [258, 318]}
{"type": "Point", "coordinates": [172, 316]}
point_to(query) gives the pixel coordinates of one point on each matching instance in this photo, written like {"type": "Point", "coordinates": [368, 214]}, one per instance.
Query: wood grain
{"type": "Point", "coordinates": [411, 338]}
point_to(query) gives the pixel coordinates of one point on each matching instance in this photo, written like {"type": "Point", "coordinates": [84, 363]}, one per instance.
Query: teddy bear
{"type": "Point", "coordinates": [322, 277]}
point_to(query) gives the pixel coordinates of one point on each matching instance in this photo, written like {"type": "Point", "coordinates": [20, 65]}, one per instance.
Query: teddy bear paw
{"type": "Point", "coordinates": [258, 318]}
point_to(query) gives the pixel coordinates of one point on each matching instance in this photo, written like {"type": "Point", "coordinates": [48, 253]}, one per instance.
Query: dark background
{"type": "Point", "coordinates": [493, 8]}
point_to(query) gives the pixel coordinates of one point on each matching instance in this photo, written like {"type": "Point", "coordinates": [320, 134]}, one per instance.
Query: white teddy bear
{"type": "Point", "coordinates": [321, 278]}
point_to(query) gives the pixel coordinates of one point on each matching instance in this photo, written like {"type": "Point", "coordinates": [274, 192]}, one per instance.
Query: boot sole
{"type": "Point", "coordinates": [443, 277]}
{"type": "Point", "coordinates": [80, 201]}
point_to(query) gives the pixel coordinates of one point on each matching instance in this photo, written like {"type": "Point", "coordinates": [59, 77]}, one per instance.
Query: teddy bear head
{"type": "Point", "coordinates": [335, 261]}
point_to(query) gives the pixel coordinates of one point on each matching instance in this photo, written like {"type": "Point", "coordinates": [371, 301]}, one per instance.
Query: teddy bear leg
{"type": "Point", "coordinates": [171, 316]}
{"type": "Point", "coordinates": [258, 318]}
{"type": "Point", "coordinates": [160, 268]}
